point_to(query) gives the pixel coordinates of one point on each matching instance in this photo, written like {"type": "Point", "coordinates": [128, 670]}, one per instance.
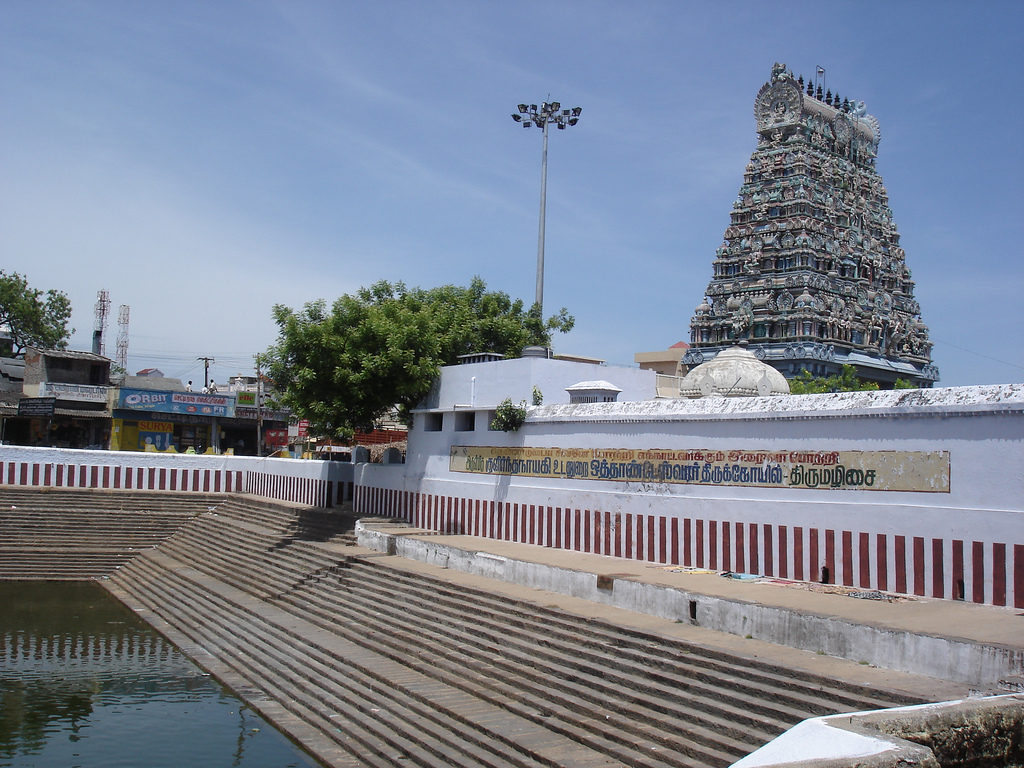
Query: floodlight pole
{"type": "Point", "coordinates": [529, 115]}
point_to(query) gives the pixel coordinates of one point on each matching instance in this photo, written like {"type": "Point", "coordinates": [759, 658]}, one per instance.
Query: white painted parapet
{"type": "Point", "coordinates": [317, 483]}
{"type": "Point", "coordinates": [984, 731]}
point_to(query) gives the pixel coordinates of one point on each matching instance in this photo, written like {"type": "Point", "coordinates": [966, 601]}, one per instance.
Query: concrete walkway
{"type": "Point", "coordinates": [936, 649]}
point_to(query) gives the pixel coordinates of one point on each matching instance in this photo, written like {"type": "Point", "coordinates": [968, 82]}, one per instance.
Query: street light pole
{"type": "Point", "coordinates": [529, 115]}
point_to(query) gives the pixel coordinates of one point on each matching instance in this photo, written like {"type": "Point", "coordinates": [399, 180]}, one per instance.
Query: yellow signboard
{"type": "Point", "coordinates": [920, 471]}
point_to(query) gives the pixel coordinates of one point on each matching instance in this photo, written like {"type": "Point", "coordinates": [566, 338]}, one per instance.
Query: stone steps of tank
{"type": "Point", "coordinates": [425, 596]}
{"type": "Point", "coordinates": [705, 708]}
{"type": "Point", "coordinates": [307, 523]}
{"type": "Point", "coordinates": [382, 712]}
{"type": "Point", "coordinates": [68, 534]}
{"type": "Point", "coordinates": [575, 695]}
{"type": "Point", "coordinates": [716, 741]}
{"type": "Point", "coordinates": [105, 499]}
{"type": "Point", "coordinates": [70, 564]}
{"type": "Point", "coordinates": [546, 660]}
{"type": "Point", "coordinates": [246, 556]}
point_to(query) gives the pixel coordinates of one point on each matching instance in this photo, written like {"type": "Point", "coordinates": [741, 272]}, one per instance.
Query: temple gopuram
{"type": "Point", "coordinates": [811, 275]}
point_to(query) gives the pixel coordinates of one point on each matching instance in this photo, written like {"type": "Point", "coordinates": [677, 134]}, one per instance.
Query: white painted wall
{"type": "Point", "coordinates": [970, 539]}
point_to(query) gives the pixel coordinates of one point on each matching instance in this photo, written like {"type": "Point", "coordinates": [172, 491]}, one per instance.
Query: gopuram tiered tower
{"type": "Point", "coordinates": [811, 273]}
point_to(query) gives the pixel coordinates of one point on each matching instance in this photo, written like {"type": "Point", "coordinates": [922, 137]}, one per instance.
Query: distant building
{"type": "Point", "coordinates": [155, 372]}
{"type": "Point", "coordinates": [668, 362]}
{"type": "Point", "coordinates": [811, 271]}
{"type": "Point", "coordinates": [65, 401]}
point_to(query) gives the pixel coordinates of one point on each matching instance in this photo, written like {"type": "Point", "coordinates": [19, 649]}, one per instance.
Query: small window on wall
{"type": "Point", "coordinates": [465, 421]}
{"type": "Point", "coordinates": [433, 422]}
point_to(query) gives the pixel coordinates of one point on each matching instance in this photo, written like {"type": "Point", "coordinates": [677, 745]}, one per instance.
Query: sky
{"type": "Point", "coordinates": [205, 160]}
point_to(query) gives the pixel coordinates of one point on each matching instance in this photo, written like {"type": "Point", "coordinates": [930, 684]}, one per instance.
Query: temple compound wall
{"type": "Point", "coordinates": [317, 483]}
{"type": "Point", "coordinates": [918, 492]}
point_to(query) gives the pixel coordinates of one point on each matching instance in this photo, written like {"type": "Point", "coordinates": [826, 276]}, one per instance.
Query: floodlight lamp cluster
{"type": "Point", "coordinates": [549, 112]}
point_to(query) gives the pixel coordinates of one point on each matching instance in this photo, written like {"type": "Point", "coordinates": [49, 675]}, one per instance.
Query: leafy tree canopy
{"type": "Point", "coordinates": [345, 368]}
{"type": "Point", "coordinates": [845, 381]}
{"type": "Point", "coordinates": [32, 317]}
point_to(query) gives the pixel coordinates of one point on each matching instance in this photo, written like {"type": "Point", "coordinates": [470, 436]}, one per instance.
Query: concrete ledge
{"type": "Point", "coordinates": [945, 657]}
{"type": "Point", "coordinates": [983, 731]}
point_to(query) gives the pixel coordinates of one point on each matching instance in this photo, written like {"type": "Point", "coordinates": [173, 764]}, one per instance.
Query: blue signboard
{"type": "Point", "coordinates": [162, 401]}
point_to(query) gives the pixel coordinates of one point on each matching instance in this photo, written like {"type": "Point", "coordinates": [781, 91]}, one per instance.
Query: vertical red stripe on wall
{"type": "Point", "coordinates": [106, 476]}
{"type": "Point", "coordinates": [699, 542]}
{"type": "Point", "coordinates": [48, 475]}
{"type": "Point", "coordinates": [662, 537]}
{"type": "Point", "coordinates": [629, 537]}
{"type": "Point", "coordinates": [847, 556]}
{"type": "Point", "coordinates": [813, 556]}
{"type": "Point", "coordinates": [798, 553]}
{"type": "Point", "coordinates": [687, 542]}
{"type": "Point", "coordinates": [94, 477]}
{"type": "Point", "coordinates": [726, 547]}
{"type": "Point", "coordinates": [957, 585]}
{"type": "Point", "coordinates": [35, 474]}
{"type": "Point", "coordinates": [900, 555]}
{"type": "Point", "coordinates": [617, 534]}
{"type": "Point", "coordinates": [882, 562]}
{"type": "Point", "coordinates": [783, 552]}
{"type": "Point", "coordinates": [577, 530]}
{"type": "Point", "coordinates": [830, 556]}
{"type": "Point", "coordinates": [978, 571]}
{"type": "Point", "coordinates": [769, 561]}
{"type": "Point", "coordinates": [864, 553]}
{"type": "Point", "coordinates": [24, 474]}
{"type": "Point", "coordinates": [713, 545]}
{"type": "Point", "coordinates": [60, 475]}
{"type": "Point", "coordinates": [998, 574]}
{"type": "Point", "coordinates": [938, 569]}
{"type": "Point", "coordinates": [673, 555]}
{"type": "Point", "coordinates": [83, 476]}
{"type": "Point", "coordinates": [1018, 575]}
{"type": "Point", "coordinates": [587, 540]}
{"type": "Point", "coordinates": [740, 544]}
{"type": "Point", "coordinates": [919, 574]}
{"type": "Point", "coordinates": [755, 549]}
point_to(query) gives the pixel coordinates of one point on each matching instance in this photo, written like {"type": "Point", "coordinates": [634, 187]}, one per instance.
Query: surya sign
{"type": "Point", "coordinates": [920, 471]}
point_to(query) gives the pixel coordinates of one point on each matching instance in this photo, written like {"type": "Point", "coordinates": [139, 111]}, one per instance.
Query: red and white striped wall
{"type": "Point", "coordinates": [989, 572]}
{"type": "Point", "coordinates": [104, 476]}
{"type": "Point", "coordinates": [316, 483]}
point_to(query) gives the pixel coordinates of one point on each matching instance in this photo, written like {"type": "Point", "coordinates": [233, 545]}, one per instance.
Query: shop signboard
{"type": "Point", "coordinates": [162, 401]}
{"type": "Point", "coordinates": [245, 398]}
{"type": "Point", "coordinates": [275, 438]}
{"type": "Point", "coordinates": [85, 393]}
{"type": "Point", "coordinates": [35, 407]}
{"type": "Point", "coordinates": [155, 433]}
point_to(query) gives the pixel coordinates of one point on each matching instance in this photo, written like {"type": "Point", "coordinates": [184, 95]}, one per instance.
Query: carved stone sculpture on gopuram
{"type": "Point", "coordinates": [811, 273]}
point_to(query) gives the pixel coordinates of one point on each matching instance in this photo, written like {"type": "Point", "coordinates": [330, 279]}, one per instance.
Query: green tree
{"type": "Point", "coordinates": [344, 368]}
{"type": "Point", "coordinates": [31, 317]}
{"type": "Point", "coordinates": [846, 381]}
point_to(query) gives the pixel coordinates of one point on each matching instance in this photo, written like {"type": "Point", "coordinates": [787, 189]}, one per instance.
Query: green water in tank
{"type": "Point", "coordinates": [85, 683]}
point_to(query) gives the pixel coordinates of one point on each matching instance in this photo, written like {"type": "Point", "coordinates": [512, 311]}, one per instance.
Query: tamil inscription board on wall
{"type": "Point", "coordinates": [920, 471]}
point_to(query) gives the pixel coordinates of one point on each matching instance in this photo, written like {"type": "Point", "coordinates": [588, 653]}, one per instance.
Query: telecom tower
{"type": "Point", "coordinates": [99, 327]}
{"type": "Point", "coordinates": [122, 337]}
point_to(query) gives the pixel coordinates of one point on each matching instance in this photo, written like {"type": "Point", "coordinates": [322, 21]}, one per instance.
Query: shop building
{"type": "Point", "coordinates": [65, 401]}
